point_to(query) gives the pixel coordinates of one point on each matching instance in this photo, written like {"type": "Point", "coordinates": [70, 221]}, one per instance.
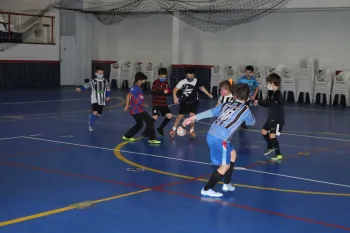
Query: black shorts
{"type": "Point", "coordinates": [190, 107]}
{"type": "Point", "coordinates": [98, 108]}
{"type": "Point", "coordinates": [271, 126]}
{"type": "Point", "coordinates": [160, 111]}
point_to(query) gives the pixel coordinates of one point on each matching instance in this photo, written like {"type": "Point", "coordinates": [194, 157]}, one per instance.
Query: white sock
{"type": "Point", "coordinates": [174, 128]}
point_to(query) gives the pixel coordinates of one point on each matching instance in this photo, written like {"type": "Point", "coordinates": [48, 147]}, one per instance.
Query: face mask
{"type": "Point", "coordinates": [224, 92]}
{"type": "Point", "coordinates": [162, 79]}
{"type": "Point", "coordinates": [99, 76]}
{"type": "Point", "coordinates": [189, 79]}
{"type": "Point", "coordinates": [269, 87]}
{"type": "Point", "coordinates": [248, 76]}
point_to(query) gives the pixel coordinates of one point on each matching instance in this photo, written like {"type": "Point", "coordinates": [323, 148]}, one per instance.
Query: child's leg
{"type": "Point", "coordinates": [193, 110]}
{"type": "Point", "coordinates": [216, 177]}
{"type": "Point", "coordinates": [228, 174]}
{"type": "Point", "coordinates": [96, 113]}
{"type": "Point", "coordinates": [137, 127]}
{"type": "Point", "coordinates": [150, 130]}
{"type": "Point", "coordinates": [266, 137]}
{"type": "Point", "coordinates": [165, 122]}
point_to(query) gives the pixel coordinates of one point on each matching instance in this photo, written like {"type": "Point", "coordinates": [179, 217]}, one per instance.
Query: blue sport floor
{"type": "Point", "coordinates": [57, 177]}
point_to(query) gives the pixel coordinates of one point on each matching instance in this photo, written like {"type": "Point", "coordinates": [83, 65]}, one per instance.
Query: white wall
{"type": "Point", "coordinates": [35, 51]}
{"type": "Point", "coordinates": [279, 37]}
{"type": "Point", "coordinates": [285, 37]}
{"type": "Point", "coordinates": [143, 39]}
{"type": "Point", "coordinates": [317, 3]}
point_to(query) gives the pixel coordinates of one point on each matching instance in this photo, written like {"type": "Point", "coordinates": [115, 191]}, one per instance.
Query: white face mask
{"type": "Point", "coordinates": [99, 76]}
{"type": "Point", "coordinates": [269, 87]}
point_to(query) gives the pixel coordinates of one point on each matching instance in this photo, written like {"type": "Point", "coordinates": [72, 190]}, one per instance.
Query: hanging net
{"type": "Point", "coordinates": [207, 15]}
{"type": "Point", "coordinates": [22, 21]}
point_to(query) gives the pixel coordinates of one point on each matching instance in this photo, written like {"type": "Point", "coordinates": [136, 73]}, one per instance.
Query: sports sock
{"type": "Point", "coordinates": [214, 179]}
{"type": "Point", "coordinates": [92, 119]}
{"type": "Point", "coordinates": [228, 174]}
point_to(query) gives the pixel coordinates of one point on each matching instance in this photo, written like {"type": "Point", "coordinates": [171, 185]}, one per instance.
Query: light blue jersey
{"type": "Point", "coordinates": [230, 117]}
{"type": "Point", "coordinates": [252, 83]}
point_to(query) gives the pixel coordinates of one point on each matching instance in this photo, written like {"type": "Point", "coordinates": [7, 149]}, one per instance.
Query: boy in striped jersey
{"type": "Point", "coordinates": [100, 94]}
{"type": "Point", "coordinates": [222, 154]}
{"type": "Point", "coordinates": [160, 89]}
{"type": "Point", "coordinates": [226, 89]}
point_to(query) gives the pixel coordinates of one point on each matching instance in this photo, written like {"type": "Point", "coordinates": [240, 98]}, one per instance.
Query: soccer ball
{"type": "Point", "coordinates": [181, 131]}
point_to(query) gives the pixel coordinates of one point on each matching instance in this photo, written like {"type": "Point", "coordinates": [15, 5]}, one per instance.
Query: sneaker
{"type": "Point", "coordinates": [192, 134]}
{"type": "Point", "coordinates": [160, 131]}
{"type": "Point", "coordinates": [128, 139]}
{"type": "Point", "coordinates": [154, 142]}
{"type": "Point", "coordinates": [277, 157]}
{"type": "Point", "coordinates": [211, 193]}
{"type": "Point", "coordinates": [269, 151]}
{"type": "Point", "coordinates": [228, 187]}
{"type": "Point", "coordinates": [91, 129]}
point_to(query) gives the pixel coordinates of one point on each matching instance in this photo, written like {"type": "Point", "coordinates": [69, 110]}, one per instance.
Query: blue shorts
{"type": "Point", "coordinates": [220, 151]}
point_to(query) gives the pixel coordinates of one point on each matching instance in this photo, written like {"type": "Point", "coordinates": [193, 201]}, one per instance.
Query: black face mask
{"type": "Point", "coordinates": [189, 79]}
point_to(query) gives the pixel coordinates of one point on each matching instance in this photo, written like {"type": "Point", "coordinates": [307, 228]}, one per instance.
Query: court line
{"type": "Point", "coordinates": [158, 188]}
{"type": "Point", "coordinates": [70, 207]}
{"type": "Point", "coordinates": [122, 158]}
{"type": "Point", "coordinates": [189, 177]}
{"type": "Point", "coordinates": [236, 137]}
{"type": "Point", "coordinates": [41, 101]}
{"type": "Point", "coordinates": [1, 139]}
{"type": "Point", "coordinates": [60, 113]}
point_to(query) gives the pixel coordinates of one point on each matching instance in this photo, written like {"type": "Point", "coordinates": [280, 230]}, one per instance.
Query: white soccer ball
{"type": "Point", "coordinates": [181, 131]}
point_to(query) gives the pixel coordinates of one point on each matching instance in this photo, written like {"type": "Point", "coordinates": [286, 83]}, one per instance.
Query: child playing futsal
{"type": "Point", "coordinates": [275, 120]}
{"type": "Point", "coordinates": [222, 153]}
{"type": "Point", "coordinates": [100, 93]}
{"type": "Point", "coordinates": [253, 84]}
{"type": "Point", "coordinates": [160, 89]}
{"type": "Point", "coordinates": [189, 99]}
{"type": "Point", "coordinates": [226, 89]}
{"type": "Point", "coordinates": [135, 103]}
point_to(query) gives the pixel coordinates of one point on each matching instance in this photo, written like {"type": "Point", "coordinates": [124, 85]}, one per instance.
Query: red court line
{"type": "Point", "coordinates": [159, 189]}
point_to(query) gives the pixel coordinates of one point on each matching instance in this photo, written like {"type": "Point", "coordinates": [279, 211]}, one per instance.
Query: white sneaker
{"type": "Point", "coordinates": [211, 193]}
{"type": "Point", "coordinates": [228, 187]}
{"type": "Point", "coordinates": [91, 129]}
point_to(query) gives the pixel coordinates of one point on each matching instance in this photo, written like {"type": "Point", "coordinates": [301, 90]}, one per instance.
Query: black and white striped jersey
{"type": "Point", "coordinates": [99, 87]}
{"type": "Point", "coordinates": [225, 99]}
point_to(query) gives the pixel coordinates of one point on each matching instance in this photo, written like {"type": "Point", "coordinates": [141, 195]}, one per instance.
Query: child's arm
{"type": "Point", "coordinates": [256, 91]}
{"type": "Point", "coordinates": [83, 87]}
{"type": "Point", "coordinates": [277, 99]}
{"type": "Point", "coordinates": [108, 91]}
{"type": "Point", "coordinates": [249, 119]}
{"type": "Point", "coordinates": [127, 102]}
{"type": "Point", "coordinates": [214, 112]}
{"type": "Point", "coordinates": [202, 88]}
{"type": "Point", "coordinates": [176, 89]}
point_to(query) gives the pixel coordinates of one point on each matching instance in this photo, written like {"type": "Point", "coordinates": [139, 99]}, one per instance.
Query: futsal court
{"type": "Point", "coordinates": [58, 177]}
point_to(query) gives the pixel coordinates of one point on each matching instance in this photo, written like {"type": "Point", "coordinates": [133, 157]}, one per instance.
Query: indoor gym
{"type": "Point", "coordinates": [54, 171]}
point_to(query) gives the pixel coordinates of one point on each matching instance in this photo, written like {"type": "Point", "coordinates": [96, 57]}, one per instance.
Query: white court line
{"type": "Point", "coordinates": [42, 101]}
{"type": "Point", "coordinates": [1, 139]}
{"type": "Point", "coordinates": [298, 178]}
{"type": "Point", "coordinates": [189, 161]}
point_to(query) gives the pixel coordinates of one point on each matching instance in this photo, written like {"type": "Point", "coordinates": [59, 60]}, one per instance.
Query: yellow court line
{"type": "Point", "coordinates": [119, 155]}
{"type": "Point", "coordinates": [71, 207]}
{"type": "Point", "coordinates": [52, 113]}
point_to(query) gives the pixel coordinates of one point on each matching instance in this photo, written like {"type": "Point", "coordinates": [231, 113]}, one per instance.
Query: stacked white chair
{"type": "Point", "coordinates": [147, 69]}
{"type": "Point", "coordinates": [288, 82]}
{"type": "Point", "coordinates": [127, 73]}
{"type": "Point", "coordinates": [305, 79]}
{"type": "Point", "coordinates": [216, 78]}
{"type": "Point", "coordinates": [341, 86]}
{"type": "Point", "coordinates": [323, 85]}
{"type": "Point", "coordinates": [260, 74]}
{"type": "Point", "coordinates": [115, 74]}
